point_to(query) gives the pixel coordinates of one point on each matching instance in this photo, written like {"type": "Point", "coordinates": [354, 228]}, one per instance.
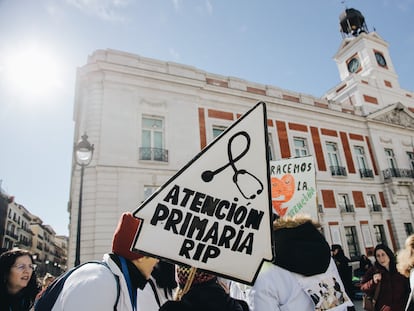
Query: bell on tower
{"type": "Point", "coordinates": [352, 23]}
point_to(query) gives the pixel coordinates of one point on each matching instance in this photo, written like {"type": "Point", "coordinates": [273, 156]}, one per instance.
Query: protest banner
{"type": "Point", "coordinates": [215, 213]}
{"type": "Point", "coordinates": [293, 186]}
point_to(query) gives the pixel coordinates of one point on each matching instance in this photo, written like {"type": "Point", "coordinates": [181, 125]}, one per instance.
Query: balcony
{"type": "Point", "coordinates": [375, 208]}
{"type": "Point", "coordinates": [153, 154]}
{"type": "Point", "coordinates": [11, 234]}
{"type": "Point", "coordinates": [398, 173]}
{"type": "Point", "coordinates": [337, 170]}
{"type": "Point", "coordinates": [366, 173]}
{"type": "Point", "coordinates": [347, 208]}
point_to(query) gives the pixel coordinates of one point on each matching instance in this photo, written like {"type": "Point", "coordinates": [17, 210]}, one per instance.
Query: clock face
{"type": "Point", "coordinates": [353, 65]}
{"type": "Point", "coordinates": [380, 59]}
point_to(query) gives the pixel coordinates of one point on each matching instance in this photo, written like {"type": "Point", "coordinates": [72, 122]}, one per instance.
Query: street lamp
{"type": "Point", "coordinates": [83, 155]}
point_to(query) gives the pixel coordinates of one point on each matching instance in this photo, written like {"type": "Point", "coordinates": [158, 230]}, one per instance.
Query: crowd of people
{"type": "Point", "coordinates": [306, 274]}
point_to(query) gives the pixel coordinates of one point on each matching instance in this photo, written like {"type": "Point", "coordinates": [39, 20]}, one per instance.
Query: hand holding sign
{"type": "Point", "coordinates": [212, 213]}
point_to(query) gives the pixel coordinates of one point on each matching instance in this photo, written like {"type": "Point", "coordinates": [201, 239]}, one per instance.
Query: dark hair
{"type": "Point", "coordinates": [28, 294]}
{"type": "Point", "coordinates": [390, 254]}
{"type": "Point", "coordinates": [164, 275]}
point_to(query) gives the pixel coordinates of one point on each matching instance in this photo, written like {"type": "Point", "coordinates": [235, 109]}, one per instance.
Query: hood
{"type": "Point", "coordinates": [301, 249]}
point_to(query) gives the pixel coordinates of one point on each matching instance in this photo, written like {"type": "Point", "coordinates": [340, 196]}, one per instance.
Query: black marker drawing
{"type": "Point", "coordinates": [208, 176]}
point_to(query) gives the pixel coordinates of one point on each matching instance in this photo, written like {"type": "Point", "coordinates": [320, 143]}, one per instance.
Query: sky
{"type": "Point", "coordinates": [286, 44]}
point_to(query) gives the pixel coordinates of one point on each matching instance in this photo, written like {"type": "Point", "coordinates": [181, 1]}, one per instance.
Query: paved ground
{"type": "Point", "coordinates": [358, 305]}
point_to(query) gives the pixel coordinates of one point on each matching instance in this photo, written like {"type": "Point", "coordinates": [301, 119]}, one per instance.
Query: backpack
{"type": "Point", "coordinates": [48, 298]}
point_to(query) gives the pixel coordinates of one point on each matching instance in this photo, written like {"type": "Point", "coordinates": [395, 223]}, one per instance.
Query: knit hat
{"type": "Point", "coordinates": [200, 276]}
{"type": "Point", "coordinates": [124, 236]}
{"type": "Point", "coordinates": [302, 249]}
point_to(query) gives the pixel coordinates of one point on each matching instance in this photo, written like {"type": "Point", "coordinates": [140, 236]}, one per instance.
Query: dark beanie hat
{"type": "Point", "coordinates": [301, 249]}
{"type": "Point", "coordinates": [124, 236]}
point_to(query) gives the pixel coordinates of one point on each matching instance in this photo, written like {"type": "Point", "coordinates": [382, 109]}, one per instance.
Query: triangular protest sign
{"type": "Point", "coordinates": [215, 213]}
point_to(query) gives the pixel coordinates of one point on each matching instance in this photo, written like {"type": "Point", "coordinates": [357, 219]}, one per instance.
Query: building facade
{"type": "Point", "coordinates": [148, 118]}
{"type": "Point", "coordinates": [24, 230]}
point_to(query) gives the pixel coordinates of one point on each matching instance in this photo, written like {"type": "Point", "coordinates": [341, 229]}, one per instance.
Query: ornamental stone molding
{"type": "Point", "coordinates": [397, 116]}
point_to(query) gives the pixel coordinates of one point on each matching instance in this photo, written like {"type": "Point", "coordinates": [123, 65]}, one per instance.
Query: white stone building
{"type": "Point", "coordinates": [147, 118]}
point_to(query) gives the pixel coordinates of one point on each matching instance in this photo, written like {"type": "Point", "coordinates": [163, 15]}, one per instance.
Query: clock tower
{"type": "Point", "coordinates": [365, 67]}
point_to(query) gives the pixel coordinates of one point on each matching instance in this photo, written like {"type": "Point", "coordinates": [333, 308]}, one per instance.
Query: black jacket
{"type": "Point", "coordinates": [207, 296]}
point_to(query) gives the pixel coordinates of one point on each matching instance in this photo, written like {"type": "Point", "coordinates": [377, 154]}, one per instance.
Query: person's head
{"type": "Point", "coordinates": [298, 244]}
{"type": "Point", "coordinates": [336, 249]}
{"type": "Point", "coordinates": [405, 257]}
{"type": "Point", "coordinates": [17, 272]}
{"type": "Point", "coordinates": [123, 238]}
{"type": "Point", "coordinates": [385, 257]}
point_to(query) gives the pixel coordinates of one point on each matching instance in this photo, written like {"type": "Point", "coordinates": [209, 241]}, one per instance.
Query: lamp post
{"type": "Point", "coordinates": [83, 155]}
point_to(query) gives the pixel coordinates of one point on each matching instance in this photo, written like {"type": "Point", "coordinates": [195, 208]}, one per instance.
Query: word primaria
{"type": "Point", "coordinates": [220, 209]}
{"type": "Point", "coordinates": [204, 230]}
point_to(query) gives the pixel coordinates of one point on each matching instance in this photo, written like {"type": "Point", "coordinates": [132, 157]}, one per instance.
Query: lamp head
{"type": "Point", "coordinates": [84, 151]}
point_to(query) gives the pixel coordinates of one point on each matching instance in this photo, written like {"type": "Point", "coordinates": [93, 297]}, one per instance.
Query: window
{"type": "Point", "coordinates": [373, 203]}
{"type": "Point", "coordinates": [334, 160]}
{"type": "Point", "coordinates": [153, 140]}
{"type": "Point", "coordinates": [380, 234]}
{"type": "Point", "coordinates": [301, 147]}
{"type": "Point", "coordinates": [217, 130]}
{"type": "Point", "coordinates": [392, 170]}
{"type": "Point", "coordinates": [352, 242]}
{"type": "Point", "coordinates": [362, 162]}
{"type": "Point", "coordinates": [149, 190]}
{"type": "Point", "coordinates": [408, 228]}
{"type": "Point", "coordinates": [344, 205]}
{"type": "Point", "coordinates": [270, 147]}
{"type": "Point", "coordinates": [411, 159]}
{"type": "Point", "coordinates": [392, 163]}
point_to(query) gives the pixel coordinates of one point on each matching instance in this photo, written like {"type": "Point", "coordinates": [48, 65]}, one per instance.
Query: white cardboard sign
{"type": "Point", "coordinates": [293, 184]}
{"type": "Point", "coordinates": [215, 213]}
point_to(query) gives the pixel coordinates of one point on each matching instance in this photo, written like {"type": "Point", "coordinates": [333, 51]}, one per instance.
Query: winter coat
{"type": "Point", "coordinates": [17, 302]}
{"type": "Point", "coordinates": [394, 288]}
{"type": "Point", "coordinates": [207, 296]}
{"type": "Point", "coordinates": [301, 278]}
{"type": "Point", "coordinates": [345, 270]}
{"type": "Point", "coordinates": [93, 287]}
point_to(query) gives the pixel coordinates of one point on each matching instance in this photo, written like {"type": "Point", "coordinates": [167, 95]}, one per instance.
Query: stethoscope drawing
{"type": "Point", "coordinates": [208, 176]}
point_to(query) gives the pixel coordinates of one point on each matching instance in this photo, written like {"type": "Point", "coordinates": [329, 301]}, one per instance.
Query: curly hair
{"type": "Point", "coordinates": [405, 257]}
{"type": "Point", "coordinates": [294, 221]}
{"type": "Point", "coordinates": [28, 294]}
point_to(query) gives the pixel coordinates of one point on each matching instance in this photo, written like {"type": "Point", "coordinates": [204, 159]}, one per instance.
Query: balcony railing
{"type": "Point", "coordinates": [153, 154]}
{"type": "Point", "coordinates": [347, 208]}
{"type": "Point", "coordinates": [11, 234]}
{"type": "Point", "coordinates": [398, 173]}
{"type": "Point", "coordinates": [366, 173]}
{"type": "Point", "coordinates": [338, 170]}
{"type": "Point", "coordinates": [375, 208]}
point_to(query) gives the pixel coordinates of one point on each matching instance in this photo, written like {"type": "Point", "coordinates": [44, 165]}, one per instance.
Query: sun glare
{"type": "Point", "coordinates": [32, 70]}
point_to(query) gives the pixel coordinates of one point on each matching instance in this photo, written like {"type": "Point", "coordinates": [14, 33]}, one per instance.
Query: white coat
{"type": "Point", "coordinates": [93, 287]}
{"type": "Point", "coordinates": [279, 289]}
